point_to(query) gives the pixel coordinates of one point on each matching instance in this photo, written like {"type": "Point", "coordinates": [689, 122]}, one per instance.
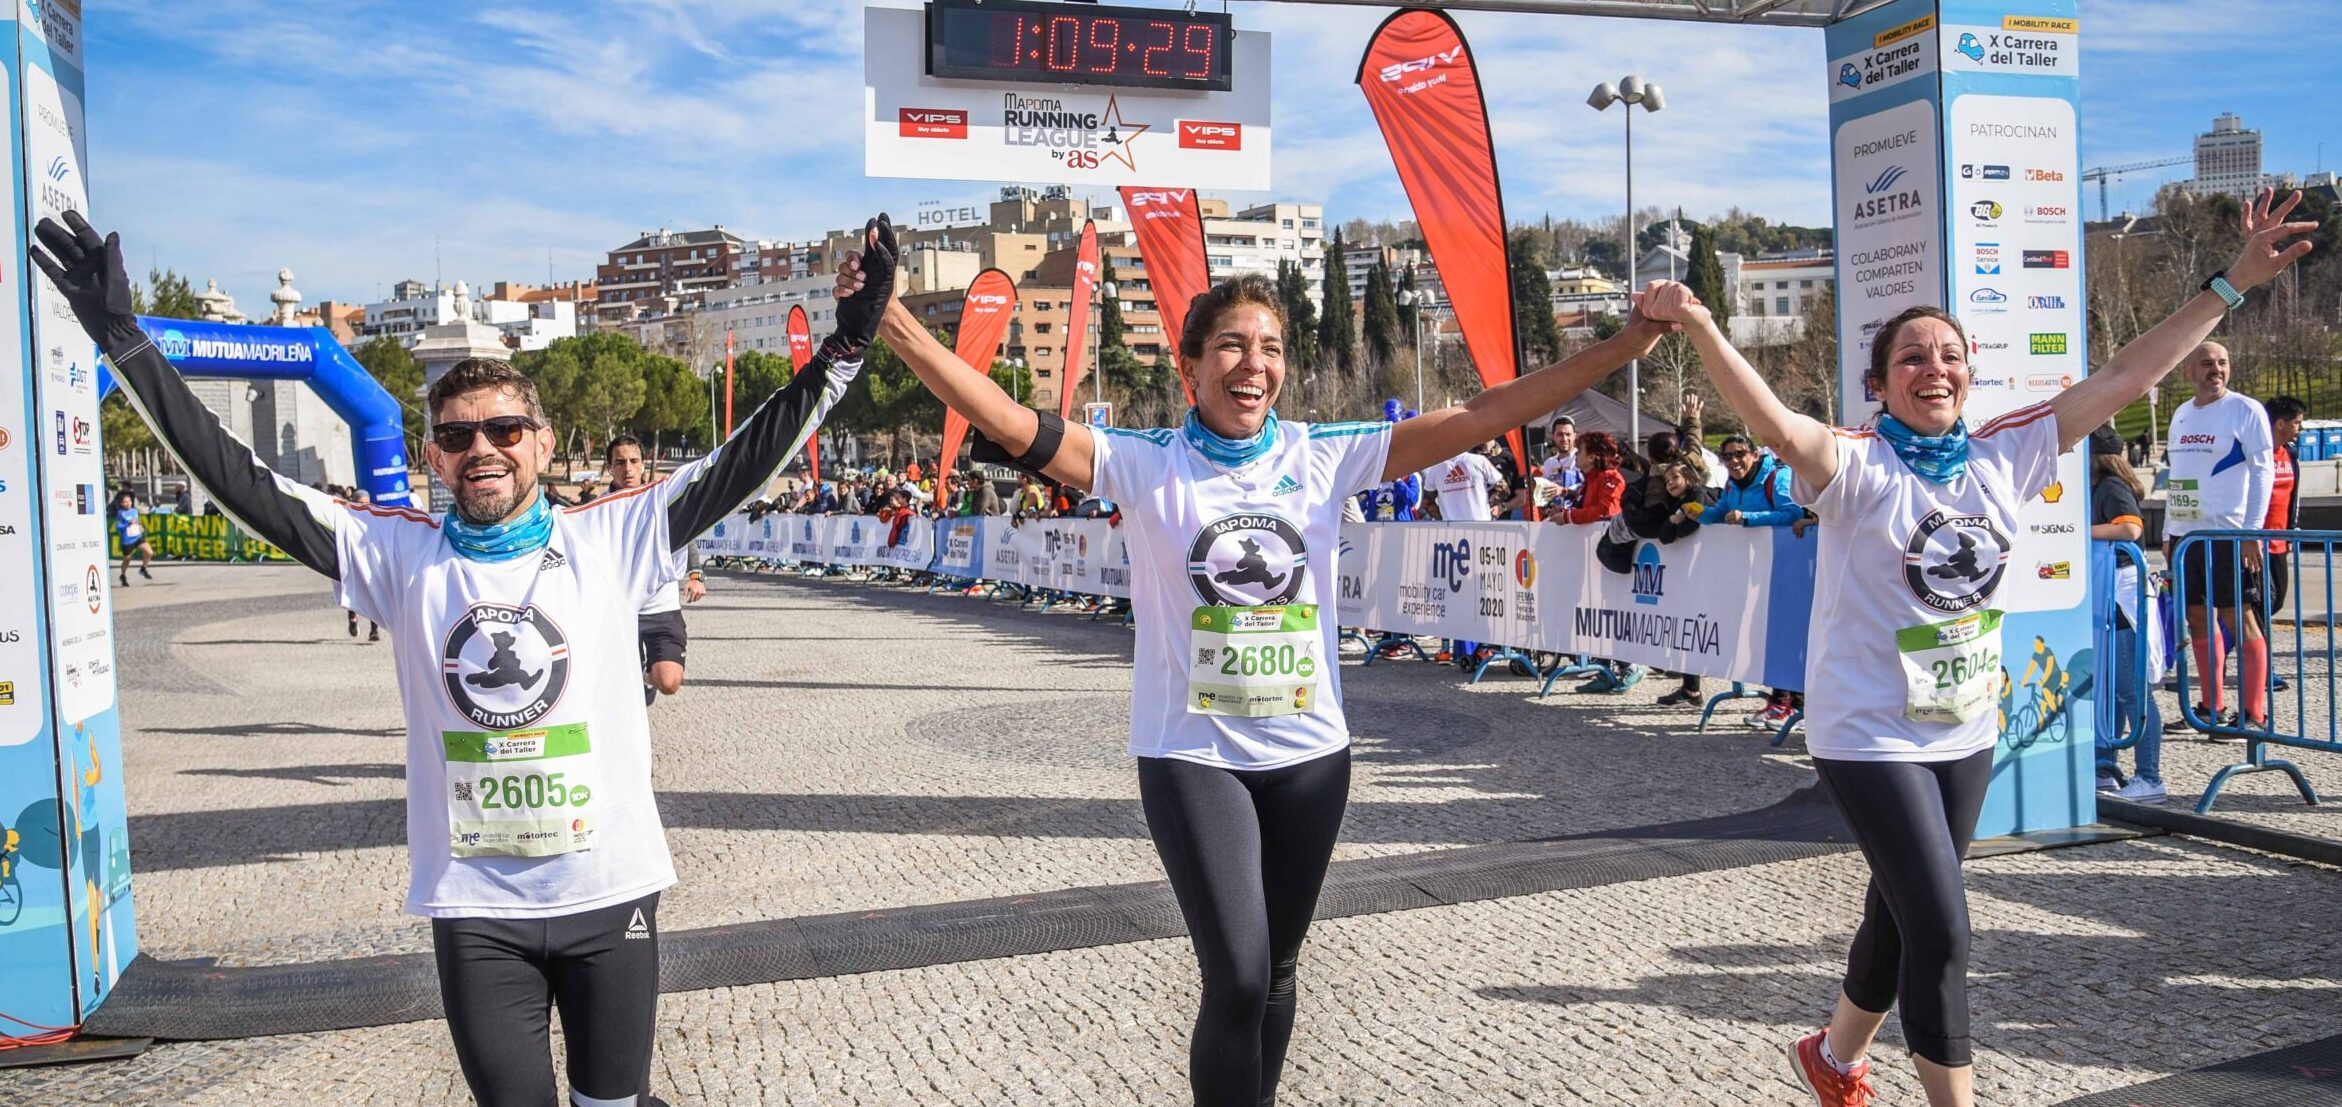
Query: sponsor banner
{"type": "Point", "coordinates": [1170, 228]}
{"type": "Point", "coordinates": [960, 546]}
{"type": "Point", "coordinates": [178, 537]}
{"type": "Point", "coordinates": [1905, 52]}
{"type": "Point", "coordinates": [2034, 46]}
{"type": "Point", "coordinates": [1419, 79]}
{"type": "Point", "coordinates": [1016, 129]}
{"type": "Point", "coordinates": [984, 315]}
{"type": "Point", "coordinates": [1890, 229]}
{"type": "Point", "coordinates": [1077, 318]}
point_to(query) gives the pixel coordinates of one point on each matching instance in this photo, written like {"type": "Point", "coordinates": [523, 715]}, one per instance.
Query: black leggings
{"type": "Point", "coordinates": [1914, 820]}
{"type": "Point", "coordinates": [496, 977]}
{"type": "Point", "coordinates": [1246, 853]}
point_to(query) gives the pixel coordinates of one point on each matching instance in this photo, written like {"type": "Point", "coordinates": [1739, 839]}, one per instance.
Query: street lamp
{"type": "Point", "coordinates": [1418, 299]}
{"type": "Point", "coordinates": [1630, 91]}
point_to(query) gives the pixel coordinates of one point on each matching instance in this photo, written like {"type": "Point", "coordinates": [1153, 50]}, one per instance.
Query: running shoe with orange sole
{"type": "Point", "coordinates": [1830, 1087]}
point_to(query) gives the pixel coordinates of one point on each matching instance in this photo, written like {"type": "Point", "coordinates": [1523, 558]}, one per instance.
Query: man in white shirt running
{"type": "Point", "coordinates": [532, 835]}
{"type": "Point", "coordinates": [1460, 486]}
{"type": "Point", "coordinates": [2223, 464]}
{"type": "Point", "coordinates": [663, 635]}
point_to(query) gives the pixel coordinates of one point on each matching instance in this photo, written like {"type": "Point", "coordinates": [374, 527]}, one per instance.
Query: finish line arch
{"type": "Point", "coordinates": [311, 356]}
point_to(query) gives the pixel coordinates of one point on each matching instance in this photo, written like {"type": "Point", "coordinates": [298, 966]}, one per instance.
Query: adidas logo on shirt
{"type": "Point", "coordinates": [1286, 486]}
{"type": "Point", "coordinates": [553, 560]}
{"type": "Point", "coordinates": [637, 928]}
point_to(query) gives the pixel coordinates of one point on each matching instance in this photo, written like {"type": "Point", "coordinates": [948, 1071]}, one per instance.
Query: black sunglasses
{"type": "Point", "coordinates": [503, 431]}
{"type": "Point", "coordinates": [1729, 455]}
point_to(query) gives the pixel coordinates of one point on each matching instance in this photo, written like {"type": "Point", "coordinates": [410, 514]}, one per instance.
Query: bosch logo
{"type": "Point", "coordinates": [2196, 440]}
{"type": "Point", "coordinates": [2047, 211]}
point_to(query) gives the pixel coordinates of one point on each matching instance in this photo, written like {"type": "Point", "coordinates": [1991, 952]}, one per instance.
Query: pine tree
{"type": "Point", "coordinates": [1382, 317]}
{"type": "Point", "coordinates": [1300, 316]}
{"type": "Point", "coordinates": [1337, 331]}
{"type": "Point", "coordinates": [1707, 277]}
{"type": "Point", "coordinates": [1532, 292]}
{"type": "Point", "coordinates": [1109, 308]}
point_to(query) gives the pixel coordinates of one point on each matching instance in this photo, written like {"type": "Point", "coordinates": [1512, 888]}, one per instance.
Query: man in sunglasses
{"type": "Point", "coordinates": [534, 840]}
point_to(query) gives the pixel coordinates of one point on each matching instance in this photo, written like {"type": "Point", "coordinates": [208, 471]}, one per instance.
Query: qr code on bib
{"type": "Point", "coordinates": [1205, 655]}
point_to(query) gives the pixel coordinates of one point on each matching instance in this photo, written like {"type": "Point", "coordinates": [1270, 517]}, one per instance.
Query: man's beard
{"type": "Point", "coordinates": [483, 508]}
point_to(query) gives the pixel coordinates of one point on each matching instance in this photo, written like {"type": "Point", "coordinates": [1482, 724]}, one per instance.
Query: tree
{"type": "Point", "coordinates": [1382, 317]}
{"type": "Point", "coordinates": [166, 295]}
{"type": "Point", "coordinates": [1532, 294]}
{"type": "Point", "coordinates": [674, 399]}
{"type": "Point", "coordinates": [1300, 316]}
{"type": "Point", "coordinates": [1337, 337]}
{"type": "Point", "coordinates": [589, 385]}
{"type": "Point", "coordinates": [395, 368]}
{"type": "Point", "coordinates": [1707, 277]}
{"type": "Point", "coordinates": [1109, 309]}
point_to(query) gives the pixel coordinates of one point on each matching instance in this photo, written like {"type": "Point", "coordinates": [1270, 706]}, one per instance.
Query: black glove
{"type": "Point", "coordinates": [88, 270]}
{"type": "Point", "coordinates": [859, 313]}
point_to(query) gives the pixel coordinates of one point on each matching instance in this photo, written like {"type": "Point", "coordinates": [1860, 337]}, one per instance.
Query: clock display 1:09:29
{"type": "Point", "coordinates": [1081, 44]}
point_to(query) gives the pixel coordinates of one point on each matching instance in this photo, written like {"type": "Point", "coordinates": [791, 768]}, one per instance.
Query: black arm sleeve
{"type": "Point", "coordinates": [738, 470]}
{"type": "Point", "coordinates": [257, 499]}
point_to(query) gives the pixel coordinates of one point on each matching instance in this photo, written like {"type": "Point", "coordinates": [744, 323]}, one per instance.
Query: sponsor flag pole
{"type": "Point", "coordinates": [1170, 227]}
{"type": "Point", "coordinates": [1077, 317]}
{"type": "Point", "coordinates": [800, 332]}
{"type": "Point", "coordinates": [727, 382]}
{"type": "Point", "coordinates": [1419, 79]}
{"type": "Point", "coordinates": [984, 314]}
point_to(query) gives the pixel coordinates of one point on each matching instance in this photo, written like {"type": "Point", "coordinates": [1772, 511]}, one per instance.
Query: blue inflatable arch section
{"type": "Point", "coordinates": [228, 351]}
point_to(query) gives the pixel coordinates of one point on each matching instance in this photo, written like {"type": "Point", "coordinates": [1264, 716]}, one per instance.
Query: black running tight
{"type": "Point", "coordinates": [1914, 820]}
{"type": "Point", "coordinates": [499, 977]}
{"type": "Point", "coordinates": [1246, 852]}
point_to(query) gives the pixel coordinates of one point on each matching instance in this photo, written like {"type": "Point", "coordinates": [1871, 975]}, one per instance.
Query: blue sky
{"type": "Point", "coordinates": [363, 141]}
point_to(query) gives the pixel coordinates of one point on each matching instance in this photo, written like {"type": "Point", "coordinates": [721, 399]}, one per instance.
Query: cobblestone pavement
{"type": "Point", "coordinates": [923, 767]}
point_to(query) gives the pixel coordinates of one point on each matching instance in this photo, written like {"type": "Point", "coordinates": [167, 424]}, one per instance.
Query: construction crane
{"type": "Point", "coordinates": [2101, 173]}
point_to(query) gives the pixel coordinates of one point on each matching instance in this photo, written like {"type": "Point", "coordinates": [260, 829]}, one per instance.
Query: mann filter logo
{"type": "Point", "coordinates": [1954, 562]}
{"type": "Point", "coordinates": [2049, 343]}
{"type": "Point", "coordinates": [504, 667]}
{"type": "Point", "coordinates": [1650, 574]}
{"type": "Point", "coordinates": [1246, 560]}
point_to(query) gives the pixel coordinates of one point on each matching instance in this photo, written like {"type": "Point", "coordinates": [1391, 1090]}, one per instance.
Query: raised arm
{"type": "Point", "coordinates": [1800, 440]}
{"type": "Point", "coordinates": [2150, 357]}
{"type": "Point", "coordinates": [88, 271]}
{"type": "Point", "coordinates": [706, 490]}
{"type": "Point", "coordinates": [1010, 425]}
{"type": "Point", "coordinates": [1435, 436]}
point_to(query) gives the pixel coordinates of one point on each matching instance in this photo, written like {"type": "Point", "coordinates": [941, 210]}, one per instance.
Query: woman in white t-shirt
{"type": "Point", "coordinates": [1916, 516]}
{"type": "Point", "coordinates": [1232, 521]}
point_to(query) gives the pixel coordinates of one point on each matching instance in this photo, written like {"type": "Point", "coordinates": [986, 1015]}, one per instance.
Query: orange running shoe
{"type": "Point", "coordinates": [1830, 1087]}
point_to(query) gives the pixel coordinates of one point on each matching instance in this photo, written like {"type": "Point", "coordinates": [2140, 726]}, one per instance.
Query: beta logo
{"type": "Point", "coordinates": [2044, 175]}
{"type": "Point", "coordinates": [945, 123]}
{"type": "Point", "coordinates": [1196, 134]}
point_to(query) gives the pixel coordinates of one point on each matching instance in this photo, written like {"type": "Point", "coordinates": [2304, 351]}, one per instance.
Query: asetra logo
{"type": "Point", "coordinates": [1884, 180]}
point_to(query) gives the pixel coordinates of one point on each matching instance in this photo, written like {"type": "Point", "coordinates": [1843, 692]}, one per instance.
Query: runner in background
{"type": "Point", "coordinates": [1232, 522]}
{"type": "Point", "coordinates": [2286, 415]}
{"type": "Point", "coordinates": [1562, 468]}
{"type": "Point", "coordinates": [2222, 467]}
{"type": "Point", "coordinates": [2115, 517]}
{"type": "Point", "coordinates": [660, 630]}
{"type": "Point", "coordinates": [1906, 638]}
{"type": "Point", "coordinates": [132, 533]}
{"type": "Point", "coordinates": [373, 629]}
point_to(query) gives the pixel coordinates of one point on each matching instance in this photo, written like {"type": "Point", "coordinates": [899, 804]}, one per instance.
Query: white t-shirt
{"type": "Point", "coordinates": [2225, 448]}
{"type": "Point", "coordinates": [1199, 534]}
{"type": "Point", "coordinates": [1462, 482]}
{"type": "Point", "coordinates": [1899, 551]}
{"type": "Point", "coordinates": [546, 640]}
{"type": "Point", "coordinates": [1558, 464]}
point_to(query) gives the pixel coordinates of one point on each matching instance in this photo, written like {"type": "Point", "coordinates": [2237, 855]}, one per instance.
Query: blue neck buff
{"type": "Point", "coordinates": [1940, 458]}
{"type": "Point", "coordinates": [1233, 453]}
{"type": "Point", "coordinates": [503, 541]}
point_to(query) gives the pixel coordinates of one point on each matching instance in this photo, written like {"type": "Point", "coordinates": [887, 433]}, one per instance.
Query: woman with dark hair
{"type": "Point", "coordinates": [2115, 489]}
{"type": "Point", "coordinates": [1916, 515]}
{"type": "Point", "coordinates": [1603, 491]}
{"type": "Point", "coordinates": [1232, 521]}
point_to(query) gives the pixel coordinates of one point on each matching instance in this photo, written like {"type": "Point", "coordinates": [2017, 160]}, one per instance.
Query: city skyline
{"type": "Point", "coordinates": [524, 141]}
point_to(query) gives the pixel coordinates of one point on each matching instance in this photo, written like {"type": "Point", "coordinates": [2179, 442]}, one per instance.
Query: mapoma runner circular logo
{"type": "Point", "coordinates": [1248, 559]}
{"type": "Point", "coordinates": [1955, 562]}
{"type": "Point", "coordinates": [504, 666]}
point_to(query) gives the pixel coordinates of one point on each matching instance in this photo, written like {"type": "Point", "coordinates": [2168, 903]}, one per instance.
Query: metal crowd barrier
{"type": "Point", "coordinates": [2106, 557]}
{"type": "Point", "coordinates": [2219, 552]}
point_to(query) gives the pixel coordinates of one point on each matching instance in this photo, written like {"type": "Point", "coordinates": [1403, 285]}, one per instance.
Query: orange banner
{"type": "Point", "coordinates": [1419, 80]}
{"type": "Point", "coordinates": [800, 334]}
{"type": "Point", "coordinates": [1170, 227]}
{"type": "Point", "coordinates": [984, 314]}
{"type": "Point", "coordinates": [1077, 318]}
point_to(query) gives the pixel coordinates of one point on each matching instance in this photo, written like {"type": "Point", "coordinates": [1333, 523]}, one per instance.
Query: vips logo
{"type": "Point", "coordinates": [1451, 562]}
{"type": "Point", "coordinates": [1164, 204]}
{"type": "Point", "coordinates": [2047, 259]}
{"type": "Point", "coordinates": [1393, 74]}
{"type": "Point", "coordinates": [1650, 574]}
{"type": "Point", "coordinates": [2045, 303]}
{"type": "Point", "coordinates": [1972, 172]}
{"type": "Point", "coordinates": [992, 300]}
{"type": "Point", "coordinates": [932, 123]}
{"type": "Point", "coordinates": [1199, 135]}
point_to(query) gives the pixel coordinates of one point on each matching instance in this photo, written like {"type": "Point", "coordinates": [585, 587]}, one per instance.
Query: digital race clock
{"type": "Point", "coordinates": [1078, 44]}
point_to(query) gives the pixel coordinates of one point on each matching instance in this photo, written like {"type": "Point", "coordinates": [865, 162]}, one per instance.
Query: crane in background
{"type": "Point", "coordinates": [2101, 173]}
